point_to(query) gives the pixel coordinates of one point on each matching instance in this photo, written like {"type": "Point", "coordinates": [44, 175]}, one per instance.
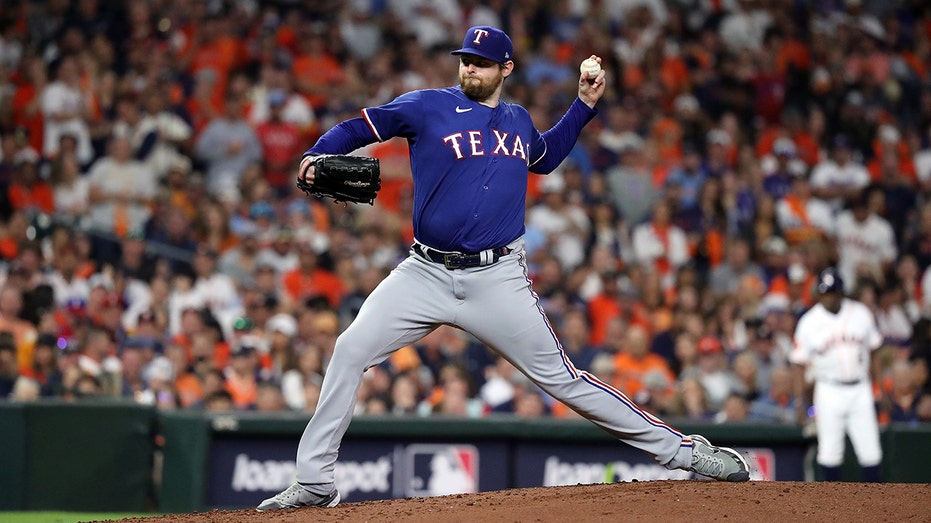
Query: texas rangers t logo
{"type": "Point", "coordinates": [479, 34]}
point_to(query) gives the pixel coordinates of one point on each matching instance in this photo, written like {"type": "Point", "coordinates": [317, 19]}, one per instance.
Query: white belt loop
{"type": "Point", "coordinates": [486, 257]}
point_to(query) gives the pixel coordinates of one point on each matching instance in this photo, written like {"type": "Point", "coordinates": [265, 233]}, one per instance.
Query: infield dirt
{"type": "Point", "coordinates": [649, 501]}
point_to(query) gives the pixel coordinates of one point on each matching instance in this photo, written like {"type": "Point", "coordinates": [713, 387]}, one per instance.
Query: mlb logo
{"type": "Point", "coordinates": [762, 464]}
{"type": "Point", "coordinates": [440, 470]}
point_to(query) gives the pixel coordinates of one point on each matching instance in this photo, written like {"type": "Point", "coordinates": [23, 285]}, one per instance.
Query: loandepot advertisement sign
{"type": "Point", "coordinates": [243, 472]}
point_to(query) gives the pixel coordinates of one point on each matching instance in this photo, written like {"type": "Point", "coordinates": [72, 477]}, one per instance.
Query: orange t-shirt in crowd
{"type": "Point", "coordinates": [39, 196]}
{"type": "Point", "coordinates": [25, 336]}
{"type": "Point", "coordinates": [243, 390]}
{"type": "Point", "coordinates": [667, 134]}
{"type": "Point", "coordinates": [629, 371]}
{"type": "Point", "coordinates": [601, 310]}
{"type": "Point", "coordinates": [34, 123]}
{"type": "Point", "coordinates": [395, 161]}
{"type": "Point", "coordinates": [220, 55]}
{"type": "Point", "coordinates": [189, 389]}
{"type": "Point", "coordinates": [317, 70]}
{"type": "Point", "coordinates": [320, 282]}
{"type": "Point", "coordinates": [806, 146]}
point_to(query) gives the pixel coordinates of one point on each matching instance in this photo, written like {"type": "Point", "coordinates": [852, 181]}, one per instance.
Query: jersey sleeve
{"type": "Point", "coordinates": [554, 144]}
{"type": "Point", "coordinates": [801, 349]}
{"type": "Point", "coordinates": [400, 117]}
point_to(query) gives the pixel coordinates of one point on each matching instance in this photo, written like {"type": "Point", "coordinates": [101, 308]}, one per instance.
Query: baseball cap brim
{"type": "Point", "coordinates": [476, 52]}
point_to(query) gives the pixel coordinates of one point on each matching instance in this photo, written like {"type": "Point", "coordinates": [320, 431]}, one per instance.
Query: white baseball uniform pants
{"type": "Point", "coordinates": [846, 409]}
{"type": "Point", "coordinates": [496, 304]}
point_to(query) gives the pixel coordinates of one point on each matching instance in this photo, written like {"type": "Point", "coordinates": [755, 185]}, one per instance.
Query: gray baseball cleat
{"type": "Point", "coordinates": [720, 463]}
{"type": "Point", "coordinates": [297, 496]}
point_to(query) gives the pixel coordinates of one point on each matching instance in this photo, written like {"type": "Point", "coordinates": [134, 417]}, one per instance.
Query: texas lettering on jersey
{"type": "Point", "coordinates": [471, 143]}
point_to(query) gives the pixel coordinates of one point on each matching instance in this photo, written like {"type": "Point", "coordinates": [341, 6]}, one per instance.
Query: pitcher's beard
{"type": "Point", "coordinates": [481, 90]}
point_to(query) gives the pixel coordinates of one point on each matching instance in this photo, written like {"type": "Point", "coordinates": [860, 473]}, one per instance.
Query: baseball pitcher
{"type": "Point", "coordinates": [470, 153]}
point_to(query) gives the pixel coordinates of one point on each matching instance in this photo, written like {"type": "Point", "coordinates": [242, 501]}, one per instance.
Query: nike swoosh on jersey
{"type": "Point", "coordinates": [461, 110]}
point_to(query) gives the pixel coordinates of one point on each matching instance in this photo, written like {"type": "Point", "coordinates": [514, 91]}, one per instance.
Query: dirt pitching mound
{"type": "Point", "coordinates": [659, 501]}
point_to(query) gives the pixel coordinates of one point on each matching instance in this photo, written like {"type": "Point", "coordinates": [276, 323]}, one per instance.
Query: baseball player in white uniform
{"type": "Point", "coordinates": [834, 342]}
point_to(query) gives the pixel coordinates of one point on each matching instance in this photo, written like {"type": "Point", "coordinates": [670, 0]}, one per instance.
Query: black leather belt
{"type": "Point", "coordinates": [461, 260]}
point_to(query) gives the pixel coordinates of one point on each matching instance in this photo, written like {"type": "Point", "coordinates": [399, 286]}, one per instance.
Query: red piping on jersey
{"type": "Point", "coordinates": [365, 115]}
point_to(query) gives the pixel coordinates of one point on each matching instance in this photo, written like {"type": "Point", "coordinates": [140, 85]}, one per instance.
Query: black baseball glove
{"type": "Point", "coordinates": [344, 178]}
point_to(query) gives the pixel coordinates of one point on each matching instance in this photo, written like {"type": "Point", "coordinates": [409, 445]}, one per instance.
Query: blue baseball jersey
{"type": "Point", "coordinates": [469, 161]}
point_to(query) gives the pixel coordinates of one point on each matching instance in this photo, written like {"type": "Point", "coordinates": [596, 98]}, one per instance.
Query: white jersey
{"type": "Point", "coordinates": [869, 242]}
{"type": "Point", "coordinates": [838, 346]}
{"type": "Point", "coordinates": [828, 174]}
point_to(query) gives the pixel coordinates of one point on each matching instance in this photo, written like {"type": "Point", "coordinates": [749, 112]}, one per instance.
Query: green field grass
{"type": "Point", "coordinates": [64, 517]}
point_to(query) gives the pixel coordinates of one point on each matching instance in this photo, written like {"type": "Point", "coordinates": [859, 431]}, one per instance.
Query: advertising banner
{"type": "Point", "coordinates": [243, 472]}
{"type": "Point", "coordinates": [547, 464]}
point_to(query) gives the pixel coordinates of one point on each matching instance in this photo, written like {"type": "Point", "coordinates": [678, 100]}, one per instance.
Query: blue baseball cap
{"type": "Point", "coordinates": [830, 281]}
{"type": "Point", "coordinates": [488, 42]}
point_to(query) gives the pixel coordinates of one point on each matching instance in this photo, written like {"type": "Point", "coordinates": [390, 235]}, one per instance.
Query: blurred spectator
{"type": "Point", "coordinates": [632, 188]}
{"type": "Point", "coordinates": [70, 190]}
{"type": "Point", "coordinates": [304, 370]}
{"type": "Point", "coordinates": [269, 398]}
{"type": "Point", "coordinates": [29, 193]}
{"type": "Point", "coordinates": [66, 108]}
{"type": "Point", "coordinates": [317, 73]}
{"type": "Point", "coordinates": [781, 168]}
{"type": "Point", "coordinates": [659, 245]}
{"type": "Point", "coordinates": [167, 136]}
{"type": "Point", "coordinates": [25, 390]}
{"type": "Point", "coordinates": [281, 142]}
{"type": "Point", "coordinates": [454, 395]}
{"type": "Point", "coordinates": [736, 408]}
{"type": "Point", "coordinates": [691, 401]}
{"type": "Point", "coordinates": [565, 225]}
{"type": "Point", "coordinates": [9, 368]}
{"type": "Point", "coordinates": [219, 401]}
{"type": "Point", "coordinates": [120, 192]}
{"type": "Point", "coordinates": [240, 261]}
{"type": "Point", "coordinates": [688, 177]}
{"type": "Point", "coordinates": [635, 361]}
{"type": "Point", "coordinates": [280, 330]}
{"type": "Point", "coordinates": [44, 369]}
{"type": "Point", "coordinates": [24, 333]}
{"type": "Point", "coordinates": [352, 300]}
{"type": "Point", "coordinates": [840, 177]}
{"type": "Point", "coordinates": [803, 217]}
{"type": "Point", "coordinates": [865, 242]}
{"type": "Point", "coordinates": [28, 112]}
{"type": "Point", "coordinates": [308, 279]}
{"type": "Point", "coordinates": [893, 318]}
{"type": "Point", "coordinates": [747, 373]}
{"type": "Point", "coordinates": [211, 227]}
{"type": "Point", "coordinates": [573, 335]}
{"type": "Point", "coordinates": [737, 265]}
{"type": "Point", "coordinates": [227, 146]}
{"type": "Point", "coordinates": [405, 395]}
{"type": "Point", "coordinates": [919, 241]}
{"type": "Point", "coordinates": [899, 402]}
{"type": "Point", "coordinates": [241, 375]}
{"type": "Point", "coordinates": [777, 403]}
{"type": "Point", "coordinates": [530, 402]}
{"type": "Point", "coordinates": [280, 251]}
{"type": "Point", "coordinates": [713, 373]}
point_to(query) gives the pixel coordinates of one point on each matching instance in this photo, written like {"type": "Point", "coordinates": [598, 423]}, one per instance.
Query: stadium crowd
{"type": "Point", "coordinates": [154, 246]}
